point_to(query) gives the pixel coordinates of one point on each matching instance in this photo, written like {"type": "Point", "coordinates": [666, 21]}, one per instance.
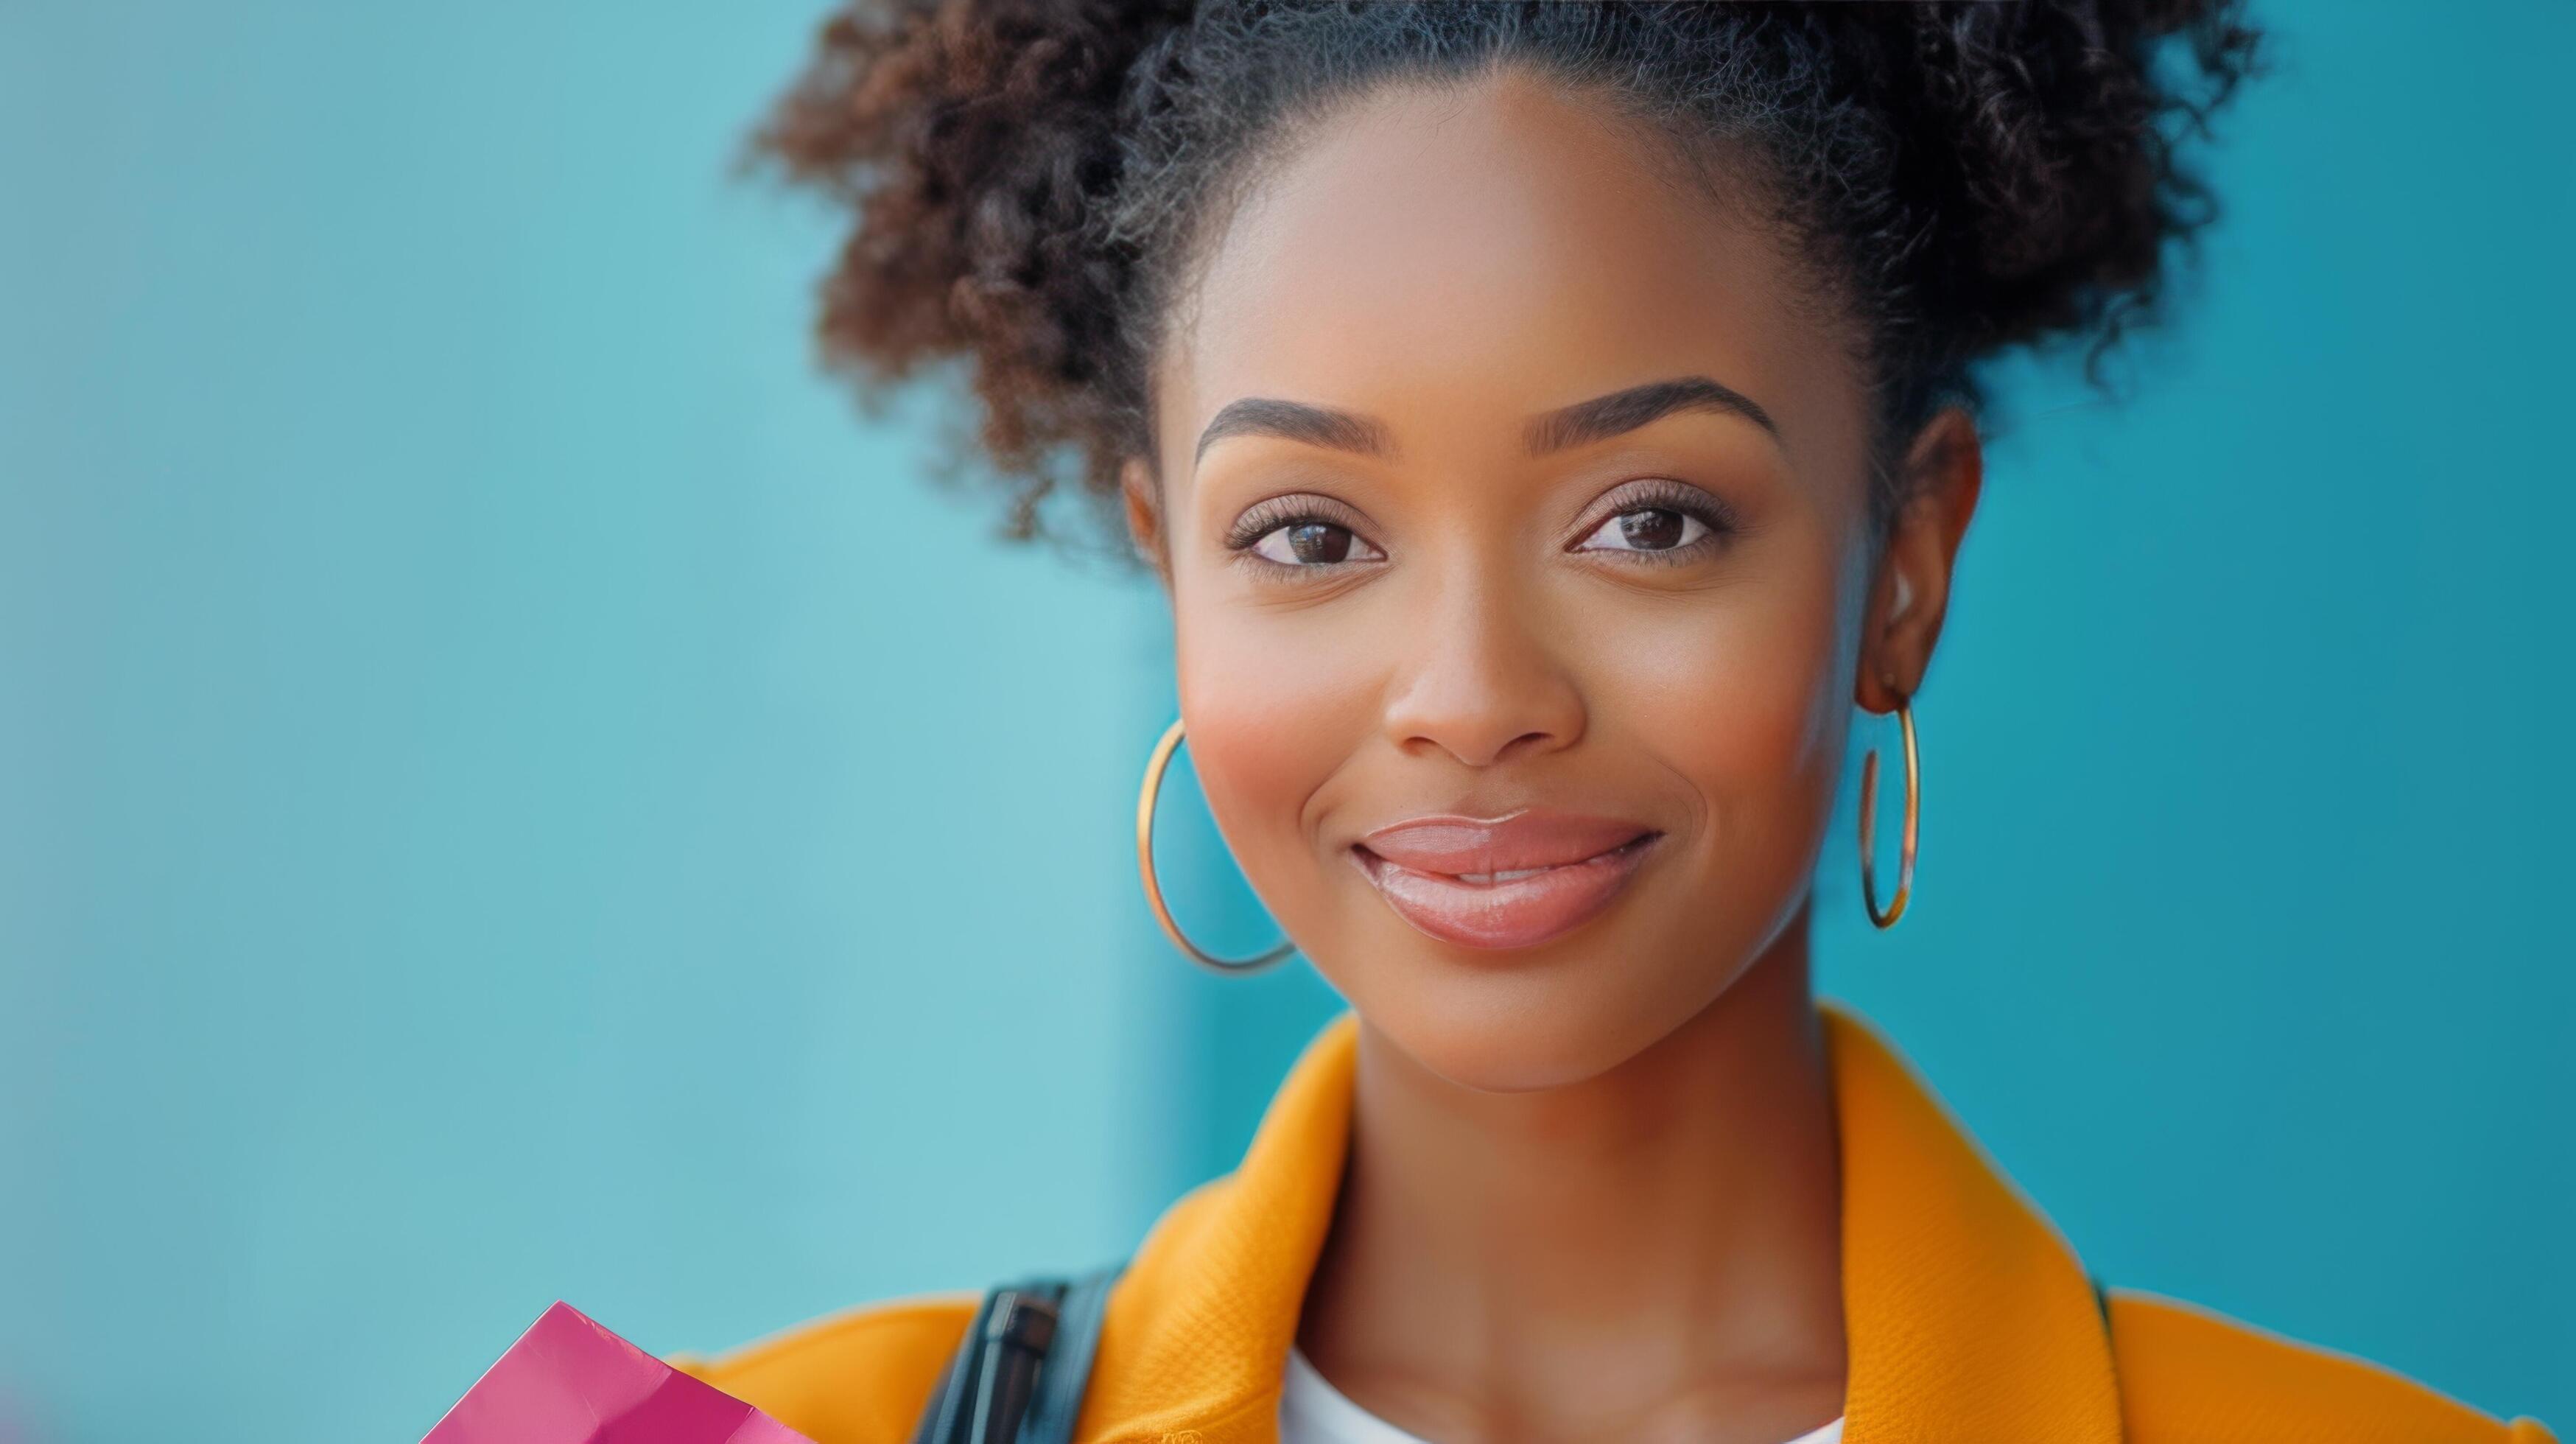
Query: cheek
{"type": "Point", "coordinates": [1275, 710]}
{"type": "Point", "coordinates": [1747, 702]}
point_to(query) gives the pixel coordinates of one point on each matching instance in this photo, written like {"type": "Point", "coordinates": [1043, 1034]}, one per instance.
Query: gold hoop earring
{"type": "Point", "coordinates": [1869, 818]}
{"type": "Point", "coordinates": [1145, 799]}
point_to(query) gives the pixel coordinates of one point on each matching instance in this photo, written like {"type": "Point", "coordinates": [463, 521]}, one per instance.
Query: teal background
{"type": "Point", "coordinates": [511, 788]}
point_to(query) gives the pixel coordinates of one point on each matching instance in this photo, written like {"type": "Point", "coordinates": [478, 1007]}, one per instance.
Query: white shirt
{"type": "Point", "coordinates": [1312, 1411]}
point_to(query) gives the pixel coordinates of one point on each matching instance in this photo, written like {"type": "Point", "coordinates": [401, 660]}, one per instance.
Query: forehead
{"type": "Point", "coordinates": [1453, 260]}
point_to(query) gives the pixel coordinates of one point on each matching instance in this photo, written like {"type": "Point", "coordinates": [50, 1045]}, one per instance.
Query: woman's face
{"type": "Point", "coordinates": [1433, 561]}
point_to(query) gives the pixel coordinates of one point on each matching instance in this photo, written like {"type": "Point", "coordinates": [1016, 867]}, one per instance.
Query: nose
{"type": "Point", "coordinates": [1484, 681]}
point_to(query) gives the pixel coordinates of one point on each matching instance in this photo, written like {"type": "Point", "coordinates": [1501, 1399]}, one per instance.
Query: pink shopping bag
{"type": "Point", "coordinates": [569, 1381]}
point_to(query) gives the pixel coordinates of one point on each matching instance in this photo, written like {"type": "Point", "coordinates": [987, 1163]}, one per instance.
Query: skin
{"type": "Point", "coordinates": [1592, 1187]}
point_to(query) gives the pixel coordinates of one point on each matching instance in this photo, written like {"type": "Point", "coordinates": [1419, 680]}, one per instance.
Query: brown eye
{"type": "Point", "coordinates": [1646, 529]}
{"type": "Point", "coordinates": [1314, 543]}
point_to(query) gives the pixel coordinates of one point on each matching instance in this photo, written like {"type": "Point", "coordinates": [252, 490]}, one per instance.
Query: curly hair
{"type": "Point", "coordinates": [1030, 179]}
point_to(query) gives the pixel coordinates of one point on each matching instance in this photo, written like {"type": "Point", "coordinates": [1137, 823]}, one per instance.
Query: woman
{"type": "Point", "coordinates": [1547, 421]}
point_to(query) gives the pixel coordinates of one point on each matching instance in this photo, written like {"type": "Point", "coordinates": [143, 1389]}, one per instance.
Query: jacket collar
{"type": "Point", "coordinates": [1967, 1316]}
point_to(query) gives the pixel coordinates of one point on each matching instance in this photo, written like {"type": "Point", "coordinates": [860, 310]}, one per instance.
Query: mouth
{"type": "Point", "coordinates": [1510, 883]}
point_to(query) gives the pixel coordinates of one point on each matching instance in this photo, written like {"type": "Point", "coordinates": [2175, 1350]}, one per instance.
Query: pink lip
{"type": "Point", "coordinates": [1580, 864]}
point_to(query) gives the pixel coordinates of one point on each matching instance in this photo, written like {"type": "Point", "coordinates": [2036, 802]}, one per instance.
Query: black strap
{"type": "Point", "coordinates": [988, 1377]}
{"type": "Point", "coordinates": [1018, 1373]}
{"type": "Point", "coordinates": [1068, 1369]}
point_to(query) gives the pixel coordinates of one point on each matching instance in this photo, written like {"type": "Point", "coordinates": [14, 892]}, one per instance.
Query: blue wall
{"type": "Point", "coordinates": [510, 789]}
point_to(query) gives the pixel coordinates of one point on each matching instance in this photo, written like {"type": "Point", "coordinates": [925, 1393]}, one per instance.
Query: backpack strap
{"type": "Point", "coordinates": [1018, 1373]}
{"type": "Point", "coordinates": [1060, 1384]}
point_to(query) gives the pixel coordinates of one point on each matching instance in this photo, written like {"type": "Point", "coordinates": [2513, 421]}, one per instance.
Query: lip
{"type": "Point", "coordinates": [1439, 873]}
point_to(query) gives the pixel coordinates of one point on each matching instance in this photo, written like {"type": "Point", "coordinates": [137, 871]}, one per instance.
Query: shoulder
{"type": "Point", "coordinates": [859, 1376]}
{"type": "Point", "coordinates": [2190, 1375]}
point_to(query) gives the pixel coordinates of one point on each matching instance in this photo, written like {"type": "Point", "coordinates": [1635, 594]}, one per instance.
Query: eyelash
{"type": "Point", "coordinates": [1673, 496]}
{"type": "Point", "coordinates": [1283, 511]}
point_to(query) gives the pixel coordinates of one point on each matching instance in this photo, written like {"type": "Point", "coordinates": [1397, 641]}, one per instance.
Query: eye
{"type": "Point", "coordinates": [1310, 542]}
{"type": "Point", "coordinates": [1646, 529]}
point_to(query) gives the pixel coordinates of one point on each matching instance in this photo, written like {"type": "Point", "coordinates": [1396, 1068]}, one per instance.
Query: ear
{"type": "Point", "coordinates": [1943, 471]}
{"type": "Point", "coordinates": [1144, 508]}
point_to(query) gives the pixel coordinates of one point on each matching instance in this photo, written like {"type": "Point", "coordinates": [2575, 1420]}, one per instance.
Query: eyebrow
{"type": "Point", "coordinates": [1580, 424]}
{"type": "Point", "coordinates": [1296, 421]}
{"type": "Point", "coordinates": [1621, 411]}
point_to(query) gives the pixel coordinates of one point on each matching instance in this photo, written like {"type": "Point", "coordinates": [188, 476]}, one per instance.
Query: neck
{"type": "Point", "coordinates": [1656, 1248]}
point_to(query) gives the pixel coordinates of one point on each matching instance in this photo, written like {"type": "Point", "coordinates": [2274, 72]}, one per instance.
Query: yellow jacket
{"type": "Point", "coordinates": [1968, 1319]}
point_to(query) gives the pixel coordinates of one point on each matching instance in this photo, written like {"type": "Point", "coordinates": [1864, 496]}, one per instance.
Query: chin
{"type": "Point", "coordinates": [1497, 1023]}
